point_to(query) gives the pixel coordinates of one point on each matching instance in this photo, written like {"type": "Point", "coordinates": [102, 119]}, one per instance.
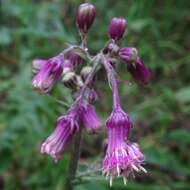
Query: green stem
{"type": "Point", "coordinates": [73, 164]}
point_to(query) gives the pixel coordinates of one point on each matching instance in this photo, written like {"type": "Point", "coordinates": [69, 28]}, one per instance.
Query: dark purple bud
{"type": "Point", "coordinates": [75, 59]}
{"type": "Point", "coordinates": [85, 16]}
{"type": "Point", "coordinates": [139, 71]}
{"type": "Point", "coordinates": [128, 54]}
{"type": "Point", "coordinates": [117, 28]}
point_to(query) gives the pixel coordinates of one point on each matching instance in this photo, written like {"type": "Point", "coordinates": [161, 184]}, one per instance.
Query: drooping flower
{"type": "Point", "coordinates": [85, 16]}
{"type": "Point", "coordinates": [139, 71]}
{"type": "Point", "coordinates": [128, 54]}
{"type": "Point", "coordinates": [117, 28]}
{"type": "Point", "coordinates": [65, 127]}
{"type": "Point", "coordinates": [90, 119]}
{"type": "Point", "coordinates": [121, 158]}
{"type": "Point", "coordinates": [49, 72]}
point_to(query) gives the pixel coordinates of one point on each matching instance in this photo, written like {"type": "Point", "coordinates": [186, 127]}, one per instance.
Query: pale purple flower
{"type": "Point", "coordinates": [121, 158]}
{"type": "Point", "coordinates": [117, 28]}
{"type": "Point", "coordinates": [139, 71]}
{"type": "Point", "coordinates": [48, 74]}
{"type": "Point", "coordinates": [66, 126]}
{"type": "Point", "coordinates": [128, 54]}
{"type": "Point", "coordinates": [90, 119]}
{"type": "Point", "coordinates": [85, 16]}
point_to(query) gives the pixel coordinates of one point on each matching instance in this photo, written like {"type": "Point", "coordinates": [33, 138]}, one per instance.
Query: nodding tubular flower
{"type": "Point", "coordinates": [85, 16]}
{"type": "Point", "coordinates": [65, 127]}
{"type": "Point", "coordinates": [121, 158]}
{"type": "Point", "coordinates": [128, 54]}
{"type": "Point", "coordinates": [49, 72]}
{"type": "Point", "coordinates": [117, 28]}
{"type": "Point", "coordinates": [90, 119]}
{"type": "Point", "coordinates": [139, 71]}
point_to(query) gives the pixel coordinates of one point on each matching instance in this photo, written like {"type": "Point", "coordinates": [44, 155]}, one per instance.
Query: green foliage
{"type": "Point", "coordinates": [161, 111]}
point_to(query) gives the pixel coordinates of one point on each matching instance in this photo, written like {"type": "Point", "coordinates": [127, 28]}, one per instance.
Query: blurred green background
{"type": "Point", "coordinates": [32, 29]}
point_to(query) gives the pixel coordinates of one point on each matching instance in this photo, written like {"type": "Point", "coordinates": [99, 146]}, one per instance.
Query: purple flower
{"type": "Point", "coordinates": [85, 16]}
{"type": "Point", "coordinates": [117, 28]}
{"type": "Point", "coordinates": [66, 126]}
{"type": "Point", "coordinates": [128, 54]}
{"type": "Point", "coordinates": [139, 71]}
{"type": "Point", "coordinates": [48, 74]}
{"type": "Point", "coordinates": [90, 119]}
{"type": "Point", "coordinates": [121, 158]}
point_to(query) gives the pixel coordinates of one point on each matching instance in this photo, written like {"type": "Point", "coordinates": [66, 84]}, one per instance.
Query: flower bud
{"type": "Point", "coordinates": [117, 28]}
{"type": "Point", "coordinates": [85, 16]}
{"type": "Point", "coordinates": [70, 80]}
{"type": "Point", "coordinates": [85, 72]}
{"type": "Point", "coordinates": [139, 71]}
{"type": "Point", "coordinates": [75, 59]}
{"type": "Point", "coordinates": [128, 54]}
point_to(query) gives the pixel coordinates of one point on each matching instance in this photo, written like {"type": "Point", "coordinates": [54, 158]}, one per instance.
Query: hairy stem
{"type": "Point", "coordinates": [73, 164]}
{"type": "Point", "coordinates": [112, 80]}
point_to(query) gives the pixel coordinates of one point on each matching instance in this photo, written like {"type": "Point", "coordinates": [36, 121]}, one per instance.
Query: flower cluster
{"type": "Point", "coordinates": [76, 69]}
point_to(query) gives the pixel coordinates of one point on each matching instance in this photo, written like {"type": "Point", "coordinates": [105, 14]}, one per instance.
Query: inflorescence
{"type": "Point", "coordinates": [122, 157]}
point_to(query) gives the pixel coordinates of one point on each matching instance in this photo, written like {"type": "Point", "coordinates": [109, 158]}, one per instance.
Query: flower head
{"type": "Point", "coordinates": [66, 126]}
{"type": "Point", "coordinates": [121, 158]}
{"type": "Point", "coordinates": [85, 16]}
{"type": "Point", "coordinates": [128, 54]}
{"type": "Point", "coordinates": [139, 71]}
{"type": "Point", "coordinates": [49, 72]}
{"type": "Point", "coordinates": [117, 28]}
{"type": "Point", "coordinates": [90, 119]}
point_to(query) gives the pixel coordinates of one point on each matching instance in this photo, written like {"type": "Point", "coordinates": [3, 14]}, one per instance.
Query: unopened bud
{"type": "Point", "coordinates": [128, 54]}
{"type": "Point", "coordinates": [117, 28]}
{"type": "Point", "coordinates": [70, 80]}
{"type": "Point", "coordinates": [85, 72]}
{"type": "Point", "coordinates": [85, 16]}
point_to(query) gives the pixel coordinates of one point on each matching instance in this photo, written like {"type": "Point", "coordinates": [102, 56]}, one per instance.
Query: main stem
{"type": "Point", "coordinates": [75, 150]}
{"type": "Point", "coordinates": [73, 164]}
